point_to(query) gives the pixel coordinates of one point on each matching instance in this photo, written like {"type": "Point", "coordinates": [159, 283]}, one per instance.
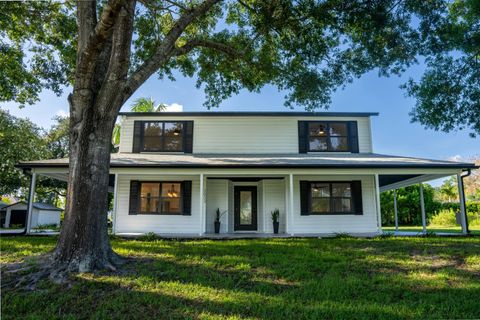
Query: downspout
{"type": "Point", "coordinates": [464, 201]}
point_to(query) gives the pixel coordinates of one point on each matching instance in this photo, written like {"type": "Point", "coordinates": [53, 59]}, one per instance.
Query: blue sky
{"type": "Point", "coordinates": [392, 131]}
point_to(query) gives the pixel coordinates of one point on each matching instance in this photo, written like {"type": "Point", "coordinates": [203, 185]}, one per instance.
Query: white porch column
{"type": "Point", "coordinates": [463, 210]}
{"type": "Point", "coordinates": [395, 209]}
{"type": "Point", "coordinates": [201, 202]}
{"type": "Point", "coordinates": [422, 207]}
{"type": "Point", "coordinates": [290, 205]}
{"type": "Point", "coordinates": [30, 202]}
{"type": "Point", "coordinates": [379, 208]}
{"type": "Point", "coordinates": [115, 206]}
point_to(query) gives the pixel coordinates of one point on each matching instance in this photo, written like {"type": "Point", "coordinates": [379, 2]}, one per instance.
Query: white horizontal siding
{"type": "Point", "coordinates": [217, 197]}
{"type": "Point", "coordinates": [274, 198]}
{"type": "Point", "coordinates": [365, 223]}
{"type": "Point", "coordinates": [246, 134]}
{"type": "Point", "coordinates": [271, 195]}
{"type": "Point", "coordinates": [164, 224]}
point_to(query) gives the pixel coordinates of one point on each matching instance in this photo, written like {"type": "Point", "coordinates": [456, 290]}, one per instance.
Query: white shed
{"type": "Point", "coordinates": [42, 214]}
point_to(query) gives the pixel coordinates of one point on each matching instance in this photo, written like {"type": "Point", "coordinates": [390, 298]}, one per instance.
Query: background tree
{"type": "Point", "coordinates": [20, 140]}
{"type": "Point", "coordinates": [307, 48]}
{"type": "Point", "coordinates": [408, 204]}
{"type": "Point", "coordinates": [448, 191]}
{"type": "Point", "coordinates": [448, 94]}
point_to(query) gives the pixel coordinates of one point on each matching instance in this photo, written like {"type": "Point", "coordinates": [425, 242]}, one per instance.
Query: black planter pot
{"type": "Point", "coordinates": [275, 226]}
{"type": "Point", "coordinates": [217, 226]}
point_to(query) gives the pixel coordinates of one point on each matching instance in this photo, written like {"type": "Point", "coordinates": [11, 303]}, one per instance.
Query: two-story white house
{"type": "Point", "coordinates": [175, 169]}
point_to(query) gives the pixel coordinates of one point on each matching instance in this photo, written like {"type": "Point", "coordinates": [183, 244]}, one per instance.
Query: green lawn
{"type": "Point", "coordinates": [385, 278]}
{"type": "Point", "coordinates": [475, 230]}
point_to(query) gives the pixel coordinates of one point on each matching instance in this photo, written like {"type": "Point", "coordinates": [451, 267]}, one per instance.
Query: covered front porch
{"type": "Point", "coordinates": [263, 192]}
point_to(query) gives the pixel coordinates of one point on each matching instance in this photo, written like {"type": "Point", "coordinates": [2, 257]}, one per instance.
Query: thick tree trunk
{"type": "Point", "coordinates": [84, 244]}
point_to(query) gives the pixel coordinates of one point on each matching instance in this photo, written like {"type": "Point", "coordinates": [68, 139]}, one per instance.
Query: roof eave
{"type": "Point", "coordinates": [248, 114]}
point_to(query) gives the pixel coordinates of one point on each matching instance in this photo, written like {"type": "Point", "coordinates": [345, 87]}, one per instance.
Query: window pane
{"type": "Point", "coordinates": [245, 207]}
{"type": "Point", "coordinates": [173, 144]}
{"type": "Point", "coordinates": [318, 129]}
{"type": "Point", "coordinates": [342, 205]}
{"type": "Point", "coordinates": [171, 205]}
{"type": "Point", "coordinates": [152, 143]}
{"type": "Point", "coordinates": [153, 129]}
{"type": "Point", "coordinates": [339, 144]}
{"type": "Point", "coordinates": [320, 190]}
{"type": "Point", "coordinates": [341, 190]}
{"type": "Point", "coordinates": [318, 144]}
{"type": "Point", "coordinates": [149, 189]}
{"type": "Point", "coordinates": [171, 190]}
{"type": "Point", "coordinates": [321, 205]}
{"type": "Point", "coordinates": [338, 129]}
{"type": "Point", "coordinates": [173, 129]}
{"type": "Point", "coordinates": [149, 204]}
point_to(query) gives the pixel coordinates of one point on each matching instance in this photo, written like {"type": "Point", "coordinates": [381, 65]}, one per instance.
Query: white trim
{"type": "Point", "coordinates": [290, 202]}
{"type": "Point", "coordinates": [422, 208]}
{"type": "Point", "coordinates": [203, 219]}
{"type": "Point", "coordinates": [377, 203]}
{"type": "Point", "coordinates": [30, 202]}
{"type": "Point", "coordinates": [395, 208]}
{"type": "Point", "coordinates": [115, 205]}
{"type": "Point", "coordinates": [463, 212]}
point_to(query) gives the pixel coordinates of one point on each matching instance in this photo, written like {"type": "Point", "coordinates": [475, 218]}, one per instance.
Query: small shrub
{"type": "Point", "coordinates": [343, 235]}
{"type": "Point", "coordinates": [149, 236]}
{"type": "Point", "coordinates": [445, 218]}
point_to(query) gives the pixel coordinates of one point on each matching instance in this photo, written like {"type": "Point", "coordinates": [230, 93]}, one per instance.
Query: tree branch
{"type": "Point", "coordinates": [166, 48]}
{"type": "Point", "coordinates": [207, 44]}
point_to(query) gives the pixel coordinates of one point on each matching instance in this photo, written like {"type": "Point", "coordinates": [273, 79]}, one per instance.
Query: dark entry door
{"type": "Point", "coordinates": [245, 203]}
{"type": "Point", "coordinates": [18, 217]}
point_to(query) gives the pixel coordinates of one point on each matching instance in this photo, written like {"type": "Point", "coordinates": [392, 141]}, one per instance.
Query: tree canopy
{"type": "Point", "coordinates": [307, 48]}
{"type": "Point", "coordinates": [21, 140]}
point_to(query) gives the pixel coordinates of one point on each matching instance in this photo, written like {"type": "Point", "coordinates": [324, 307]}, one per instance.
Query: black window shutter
{"type": "Point", "coordinates": [137, 136]}
{"type": "Point", "coordinates": [304, 198]}
{"type": "Point", "coordinates": [357, 196]}
{"type": "Point", "coordinates": [187, 198]}
{"type": "Point", "coordinates": [302, 136]}
{"type": "Point", "coordinates": [353, 136]}
{"type": "Point", "coordinates": [188, 136]}
{"type": "Point", "coordinates": [134, 197]}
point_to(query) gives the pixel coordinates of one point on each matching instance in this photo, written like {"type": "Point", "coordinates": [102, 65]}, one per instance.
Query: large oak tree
{"type": "Point", "coordinates": [105, 50]}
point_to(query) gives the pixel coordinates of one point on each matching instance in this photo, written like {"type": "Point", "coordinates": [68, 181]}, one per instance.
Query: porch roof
{"type": "Point", "coordinates": [337, 160]}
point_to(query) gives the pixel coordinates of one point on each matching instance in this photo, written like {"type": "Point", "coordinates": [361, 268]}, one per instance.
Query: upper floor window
{"type": "Point", "coordinates": [163, 136]}
{"type": "Point", "coordinates": [328, 136]}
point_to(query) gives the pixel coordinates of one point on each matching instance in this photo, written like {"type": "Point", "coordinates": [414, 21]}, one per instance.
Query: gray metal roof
{"type": "Point", "coordinates": [249, 114]}
{"type": "Point", "coordinates": [347, 160]}
{"type": "Point", "coordinates": [3, 204]}
{"type": "Point", "coordinates": [37, 205]}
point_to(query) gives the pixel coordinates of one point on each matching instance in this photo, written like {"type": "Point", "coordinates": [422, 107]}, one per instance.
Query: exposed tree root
{"type": "Point", "coordinates": [29, 273]}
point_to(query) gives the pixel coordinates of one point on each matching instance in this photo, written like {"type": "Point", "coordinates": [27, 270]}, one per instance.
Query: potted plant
{"type": "Point", "coordinates": [275, 216]}
{"type": "Point", "coordinates": [218, 216]}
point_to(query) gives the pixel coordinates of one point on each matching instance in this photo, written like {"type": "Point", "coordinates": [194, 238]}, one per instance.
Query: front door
{"type": "Point", "coordinates": [245, 203]}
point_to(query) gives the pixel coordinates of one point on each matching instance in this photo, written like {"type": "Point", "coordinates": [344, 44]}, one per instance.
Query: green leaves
{"type": "Point", "coordinates": [307, 48]}
{"type": "Point", "coordinates": [21, 141]}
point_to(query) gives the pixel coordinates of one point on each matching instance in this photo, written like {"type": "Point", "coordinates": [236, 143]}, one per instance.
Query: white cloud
{"type": "Point", "coordinates": [174, 107]}
{"type": "Point", "coordinates": [456, 158]}
{"type": "Point", "coordinates": [62, 113]}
